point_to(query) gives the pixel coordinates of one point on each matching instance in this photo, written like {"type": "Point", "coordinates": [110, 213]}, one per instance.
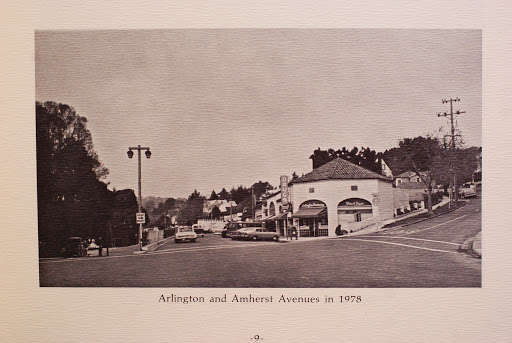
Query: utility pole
{"type": "Point", "coordinates": [148, 155]}
{"type": "Point", "coordinates": [252, 201]}
{"type": "Point", "coordinates": [446, 114]}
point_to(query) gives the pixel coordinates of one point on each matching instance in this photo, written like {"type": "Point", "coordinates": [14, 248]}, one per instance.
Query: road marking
{"type": "Point", "coordinates": [433, 227]}
{"type": "Point", "coordinates": [399, 244]}
{"type": "Point", "coordinates": [417, 239]}
{"type": "Point", "coordinates": [168, 251]}
{"type": "Point", "coordinates": [209, 247]}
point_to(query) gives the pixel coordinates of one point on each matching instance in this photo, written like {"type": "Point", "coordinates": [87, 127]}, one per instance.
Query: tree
{"type": "Point", "coordinates": [364, 157]}
{"type": "Point", "coordinates": [261, 188]}
{"type": "Point", "coordinates": [214, 196]}
{"type": "Point", "coordinates": [425, 156]}
{"type": "Point", "coordinates": [72, 199]}
{"type": "Point", "coordinates": [223, 195]}
{"type": "Point", "coordinates": [193, 209]}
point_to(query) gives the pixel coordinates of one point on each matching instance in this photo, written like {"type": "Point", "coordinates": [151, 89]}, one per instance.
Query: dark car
{"type": "Point", "coordinates": [233, 226]}
{"type": "Point", "coordinates": [74, 246]}
{"type": "Point", "coordinates": [254, 234]}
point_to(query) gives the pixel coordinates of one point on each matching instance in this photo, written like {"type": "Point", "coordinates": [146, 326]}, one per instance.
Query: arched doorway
{"type": "Point", "coordinates": [272, 210]}
{"type": "Point", "coordinates": [311, 219]}
{"type": "Point", "coordinates": [354, 210]}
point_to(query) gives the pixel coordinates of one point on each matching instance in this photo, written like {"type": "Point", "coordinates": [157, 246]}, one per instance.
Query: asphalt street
{"type": "Point", "coordinates": [425, 254]}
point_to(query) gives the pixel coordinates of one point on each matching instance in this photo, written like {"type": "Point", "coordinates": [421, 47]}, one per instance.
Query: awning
{"type": "Point", "coordinates": [277, 217]}
{"type": "Point", "coordinates": [312, 212]}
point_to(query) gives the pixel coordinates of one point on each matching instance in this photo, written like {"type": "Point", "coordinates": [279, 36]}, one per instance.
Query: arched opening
{"type": "Point", "coordinates": [311, 219]}
{"type": "Point", "coordinates": [272, 210]}
{"type": "Point", "coordinates": [354, 210]}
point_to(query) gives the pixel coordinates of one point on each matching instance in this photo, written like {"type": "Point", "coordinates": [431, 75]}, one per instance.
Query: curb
{"type": "Point", "coordinates": [467, 247]}
{"type": "Point", "coordinates": [153, 246]}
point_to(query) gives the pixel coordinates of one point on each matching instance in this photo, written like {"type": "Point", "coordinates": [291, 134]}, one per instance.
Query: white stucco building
{"type": "Point", "coordinates": [339, 193]}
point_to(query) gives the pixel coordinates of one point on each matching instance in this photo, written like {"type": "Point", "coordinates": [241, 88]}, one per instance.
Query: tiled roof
{"type": "Point", "coordinates": [339, 169]}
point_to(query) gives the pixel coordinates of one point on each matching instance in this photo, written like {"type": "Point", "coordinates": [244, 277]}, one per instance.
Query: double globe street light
{"type": "Point", "coordinates": [148, 155]}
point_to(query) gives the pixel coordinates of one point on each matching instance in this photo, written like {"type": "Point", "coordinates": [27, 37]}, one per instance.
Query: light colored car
{"type": "Point", "coordinates": [255, 233]}
{"type": "Point", "coordinates": [198, 230]}
{"type": "Point", "coordinates": [467, 190]}
{"type": "Point", "coordinates": [184, 233]}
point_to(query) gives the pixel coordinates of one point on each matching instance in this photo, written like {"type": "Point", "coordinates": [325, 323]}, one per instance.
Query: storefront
{"type": "Point", "coordinates": [277, 222]}
{"type": "Point", "coordinates": [311, 219]}
{"type": "Point", "coordinates": [340, 194]}
{"type": "Point", "coordinates": [354, 210]}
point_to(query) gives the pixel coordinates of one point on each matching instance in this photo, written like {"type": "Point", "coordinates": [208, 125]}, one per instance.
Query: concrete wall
{"type": "Point", "coordinates": [385, 200]}
{"type": "Point", "coordinates": [155, 235]}
{"type": "Point", "coordinates": [332, 192]}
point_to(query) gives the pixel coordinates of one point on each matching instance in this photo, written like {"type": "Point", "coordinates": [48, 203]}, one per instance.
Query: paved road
{"type": "Point", "coordinates": [420, 255]}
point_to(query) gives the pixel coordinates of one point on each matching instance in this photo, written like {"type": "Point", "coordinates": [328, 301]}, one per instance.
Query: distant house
{"type": "Point", "coordinates": [406, 178]}
{"type": "Point", "coordinates": [385, 170]}
{"type": "Point", "coordinates": [217, 208]}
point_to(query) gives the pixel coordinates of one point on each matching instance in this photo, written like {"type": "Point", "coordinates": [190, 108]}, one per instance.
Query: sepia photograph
{"type": "Point", "coordinates": [255, 172]}
{"type": "Point", "coordinates": [259, 158]}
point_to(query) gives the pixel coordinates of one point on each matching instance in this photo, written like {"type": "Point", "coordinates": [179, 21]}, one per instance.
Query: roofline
{"type": "Point", "coordinates": [346, 179]}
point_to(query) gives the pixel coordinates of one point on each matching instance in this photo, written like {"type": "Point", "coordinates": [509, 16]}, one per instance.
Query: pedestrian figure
{"type": "Point", "coordinates": [338, 230]}
{"type": "Point", "coordinates": [84, 248]}
{"type": "Point", "coordinates": [295, 233]}
{"type": "Point", "coordinates": [100, 247]}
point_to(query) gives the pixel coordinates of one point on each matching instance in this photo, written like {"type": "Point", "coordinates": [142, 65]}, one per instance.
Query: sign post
{"type": "Point", "coordinates": [283, 181]}
{"type": "Point", "coordinates": [141, 219]}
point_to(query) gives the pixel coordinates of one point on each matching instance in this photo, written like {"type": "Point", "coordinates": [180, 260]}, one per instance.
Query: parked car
{"type": "Point", "coordinates": [185, 233]}
{"type": "Point", "coordinates": [198, 230]}
{"type": "Point", "coordinates": [254, 233]}
{"type": "Point", "coordinates": [233, 226]}
{"type": "Point", "coordinates": [467, 190]}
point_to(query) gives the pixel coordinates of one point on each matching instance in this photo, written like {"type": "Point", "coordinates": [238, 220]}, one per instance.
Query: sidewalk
{"type": "Point", "coordinates": [476, 244]}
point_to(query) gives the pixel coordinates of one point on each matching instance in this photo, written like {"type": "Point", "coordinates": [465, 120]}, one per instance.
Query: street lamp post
{"type": "Point", "coordinates": [148, 155]}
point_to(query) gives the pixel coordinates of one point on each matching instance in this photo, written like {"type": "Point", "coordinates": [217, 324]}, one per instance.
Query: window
{"type": "Point", "coordinates": [311, 190]}
{"type": "Point", "coordinates": [354, 188]}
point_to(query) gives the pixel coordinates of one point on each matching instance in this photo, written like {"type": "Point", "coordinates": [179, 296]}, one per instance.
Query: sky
{"type": "Point", "coordinates": [227, 107]}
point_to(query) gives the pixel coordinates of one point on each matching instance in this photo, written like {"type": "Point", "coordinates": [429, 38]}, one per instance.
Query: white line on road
{"type": "Point", "coordinates": [433, 227]}
{"type": "Point", "coordinates": [402, 245]}
{"type": "Point", "coordinates": [167, 251]}
{"type": "Point", "coordinates": [416, 239]}
{"type": "Point", "coordinates": [209, 247]}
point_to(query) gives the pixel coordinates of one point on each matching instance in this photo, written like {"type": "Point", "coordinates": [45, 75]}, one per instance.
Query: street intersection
{"type": "Point", "coordinates": [425, 254]}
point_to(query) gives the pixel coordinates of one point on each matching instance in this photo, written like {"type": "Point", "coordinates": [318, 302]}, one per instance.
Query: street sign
{"type": "Point", "coordinates": [284, 190]}
{"type": "Point", "coordinates": [141, 218]}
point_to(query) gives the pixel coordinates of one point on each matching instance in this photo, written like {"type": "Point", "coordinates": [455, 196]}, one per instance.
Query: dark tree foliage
{"type": "Point", "coordinates": [170, 206]}
{"type": "Point", "coordinates": [223, 195]}
{"type": "Point", "coordinates": [122, 224]}
{"type": "Point", "coordinates": [240, 193]}
{"type": "Point", "coordinates": [214, 196]}
{"type": "Point", "coordinates": [365, 157]}
{"type": "Point", "coordinates": [261, 188]}
{"type": "Point", "coordinates": [192, 210]}
{"type": "Point", "coordinates": [426, 157]}
{"type": "Point", "coordinates": [71, 196]}
{"type": "Point", "coordinates": [216, 214]}
{"type": "Point", "coordinates": [72, 199]}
